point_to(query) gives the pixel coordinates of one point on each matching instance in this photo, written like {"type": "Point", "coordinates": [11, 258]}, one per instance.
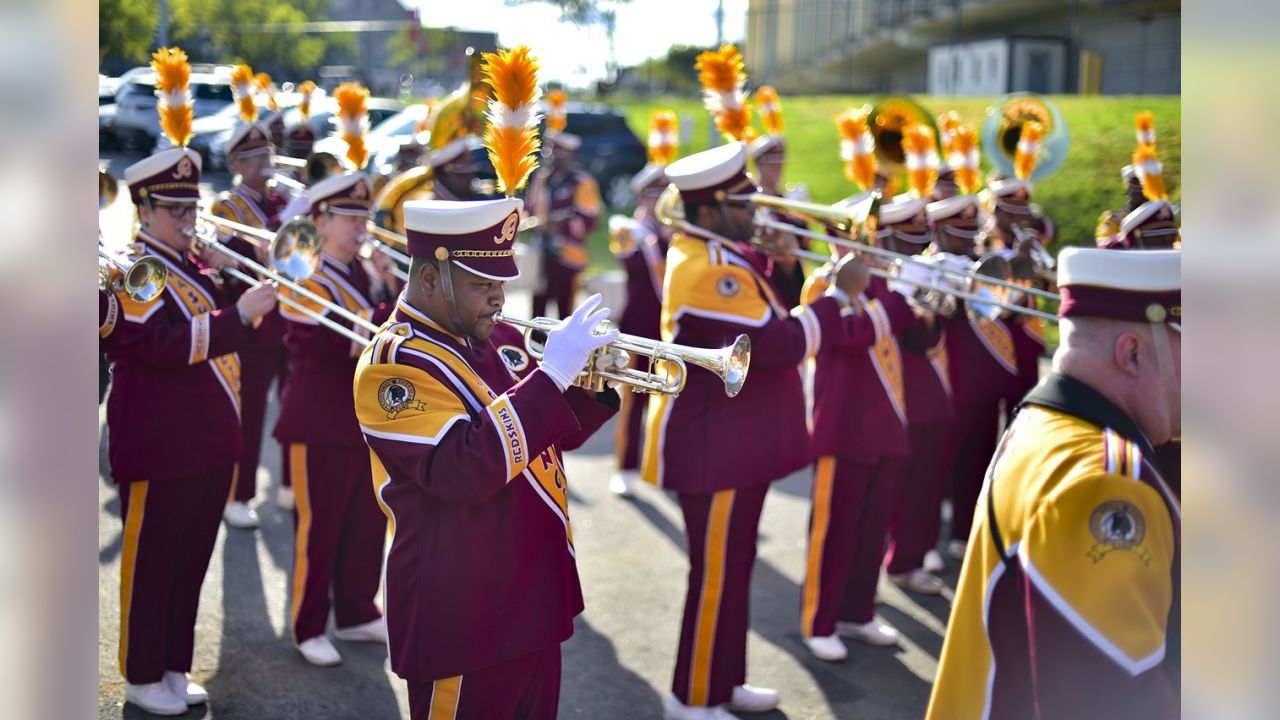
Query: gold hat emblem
{"type": "Point", "coordinates": [361, 191]}
{"type": "Point", "coordinates": [508, 233]}
{"type": "Point", "coordinates": [184, 169]}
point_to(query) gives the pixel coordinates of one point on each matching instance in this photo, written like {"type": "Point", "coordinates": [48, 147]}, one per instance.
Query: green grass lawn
{"type": "Point", "coordinates": [1102, 141]}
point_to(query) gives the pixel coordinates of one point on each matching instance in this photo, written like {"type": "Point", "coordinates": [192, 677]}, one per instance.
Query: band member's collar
{"type": "Point", "coordinates": [155, 243]}
{"type": "Point", "coordinates": [420, 322]}
{"type": "Point", "coordinates": [249, 192]}
{"type": "Point", "coordinates": [705, 235]}
{"type": "Point", "coordinates": [1075, 397]}
{"type": "Point", "coordinates": [335, 263]}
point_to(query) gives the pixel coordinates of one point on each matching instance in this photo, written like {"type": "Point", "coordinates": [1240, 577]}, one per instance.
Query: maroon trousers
{"type": "Point", "coordinates": [721, 530]}
{"type": "Point", "coordinates": [631, 416]}
{"type": "Point", "coordinates": [170, 527]}
{"type": "Point", "coordinates": [973, 442]}
{"type": "Point", "coordinates": [527, 688]}
{"type": "Point", "coordinates": [559, 283]}
{"type": "Point", "coordinates": [846, 541]}
{"type": "Point", "coordinates": [257, 369]}
{"type": "Point", "coordinates": [914, 522]}
{"type": "Point", "coordinates": [338, 538]}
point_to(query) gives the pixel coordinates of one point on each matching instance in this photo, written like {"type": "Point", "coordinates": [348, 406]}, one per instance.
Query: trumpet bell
{"type": "Point", "coordinates": [144, 281]}
{"type": "Point", "coordinates": [295, 251]}
{"type": "Point", "coordinates": [1002, 129]}
{"type": "Point", "coordinates": [731, 365]}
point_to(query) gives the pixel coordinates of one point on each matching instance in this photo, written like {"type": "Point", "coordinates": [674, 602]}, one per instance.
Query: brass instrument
{"type": "Point", "coordinates": [1002, 130]}
{"type": "Point", "coordinates": [142, 279]}
{"type": "Point", "coordinates": [889, 117]}
{"type": "Point", "coordinates": [729, 363]}
{"type": "Point", "coordinates": [295, 254]}
{"type": "Point", "coordinates": [108, 188]}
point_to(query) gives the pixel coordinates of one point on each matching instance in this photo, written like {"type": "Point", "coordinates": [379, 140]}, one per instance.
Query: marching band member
{"type": "Point", "coordinates": [300, 137]}
{"type": "Point", "coordinates": [453, 170]}
{"type": "Point", "coordinates": [466, 433]}
{"type": "Point", "coordinates": [173, 414]}
{"type": "Point", "coordinates": [340, 531]}
{"type": "Point", "coordinates": [701, 445]}
{"type": "Point", "coordinates": [1068, 602]}
{"type": "Point", "coordinates": [1152, 225]}
{"type": "Point", "coordinates": [981, 366]}
{"type": "Point", "coordinates": [769, 153]}
{"type": "Point", "coordinates": [640, 246]}
{"type": "Point", "coordinates": [255, 201]}
{"type": "Point", "coordinates": [567, 199]}
{"type": "Point", "coordinates": [860, 438]}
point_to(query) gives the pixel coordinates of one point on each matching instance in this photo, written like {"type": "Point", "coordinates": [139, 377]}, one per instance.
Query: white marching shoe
{"type": "Point", "coordinates": [830, 648]}
{"type": "Point", "coordinates": [623, 482]}
{"type": "Point", "coordinates": [186, 690]}
{"type": "Point", "coordinates": [751, 699]}
{"type": "Point", "coordinates": [955, 549]}
{"type": "Point", "coordinates": [918, 581]}
{"type": "Point", "coordinates": [284, 498]}
{"type": "Point", "coordinates": [673, 709]}
{"type": "Point", "coordinates": [872, 633]}
{"type": "Point", "coordinates": [933, 562]}
{"type": "Point", "coordinates": [374, 631]}
{"type": "Point", "coordinates": [240, 515]}
{"type": "Point", "coordinates": [319, 651]}
{"type": "Point", "coordinates": [156, 698]}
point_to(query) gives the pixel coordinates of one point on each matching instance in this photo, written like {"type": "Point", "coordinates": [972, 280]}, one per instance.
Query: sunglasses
{"type": "Point", "coordinates": [176, 211]}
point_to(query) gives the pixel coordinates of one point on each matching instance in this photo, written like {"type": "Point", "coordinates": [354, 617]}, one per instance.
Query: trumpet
{"type": "Point", "coordinates": [295, 254]}
{"type": "Point", "coordinates": [729, 363]}
{"type": "Point", "coordinates": [142, 279]}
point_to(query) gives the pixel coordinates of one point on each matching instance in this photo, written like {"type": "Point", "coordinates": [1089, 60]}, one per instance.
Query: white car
{"type": "Point", "coordinates": [207, 130]}
{"type": "Point", "coordinates": [322, 110]}
{"type": "Point", "coordinates": [137, 121]}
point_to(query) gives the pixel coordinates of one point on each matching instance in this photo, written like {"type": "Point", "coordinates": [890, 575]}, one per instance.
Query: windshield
{"type": "Point", "coordinates": [399, 124]}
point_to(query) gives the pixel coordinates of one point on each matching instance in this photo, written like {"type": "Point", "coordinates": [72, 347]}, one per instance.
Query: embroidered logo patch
{"type": "Point", "coordinates": [728, 286]}
{"type": "Point", "coordinates": [1118, 525]}
{"type": "Point", "coordinates": [395, 395]}
{"type": "Point", "coordinates": [516, 359]}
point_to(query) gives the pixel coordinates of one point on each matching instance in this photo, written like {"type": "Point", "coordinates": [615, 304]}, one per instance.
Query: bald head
{"type": "Point", "coordinates": [1136, 366]}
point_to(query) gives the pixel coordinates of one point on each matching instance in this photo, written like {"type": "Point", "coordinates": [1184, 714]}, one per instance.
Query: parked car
{"type": "Point", "coordinates": [137, 121]}
{"type": "Point", "coordinates": [107, 126]}
{"type": "Point", "coordinates": [610, 151]}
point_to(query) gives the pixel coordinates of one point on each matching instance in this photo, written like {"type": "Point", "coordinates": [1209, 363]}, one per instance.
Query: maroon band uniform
{"type": "Point", "coordinates": [570, 204]}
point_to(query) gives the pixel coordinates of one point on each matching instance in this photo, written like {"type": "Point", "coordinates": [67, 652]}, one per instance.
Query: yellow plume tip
{"type": "Point", "coordinates": [173, 75]}
{"type": "Point", "coordinates": [353, 116]}
{"type": "Point", "coordinates": [511, 136]}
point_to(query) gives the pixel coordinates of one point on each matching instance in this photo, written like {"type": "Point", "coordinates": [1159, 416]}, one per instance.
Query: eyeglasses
{"type": "Point", "coordinates": [177, 212]}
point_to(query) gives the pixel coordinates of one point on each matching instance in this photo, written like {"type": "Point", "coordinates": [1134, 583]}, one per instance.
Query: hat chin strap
{"type": "Point", "coordinates": [446, 282]}
{"type": "Point", "coordinates": [1164, 357]}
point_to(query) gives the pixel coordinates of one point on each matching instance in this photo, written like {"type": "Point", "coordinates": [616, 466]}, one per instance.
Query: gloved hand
{"type": "Point", "coordinates": [613, 360]}
{"type": "Point", "coordinates": [571, 341]}
{"type": "Point", "coordinates": [909, 278]}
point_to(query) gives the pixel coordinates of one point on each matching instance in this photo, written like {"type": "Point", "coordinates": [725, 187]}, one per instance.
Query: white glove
{"type": "Point", "coordinates": [910, 277]}
{"type": "Point", "coordinates": [570, 342]}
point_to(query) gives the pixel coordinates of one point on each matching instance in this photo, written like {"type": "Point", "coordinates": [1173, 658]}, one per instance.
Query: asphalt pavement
{"type": "Point", "coordinates": [617, 664]}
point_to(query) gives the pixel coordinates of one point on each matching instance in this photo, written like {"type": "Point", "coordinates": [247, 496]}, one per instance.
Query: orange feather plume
{"type": "Point", "coordinates": [242, 87]}
{"type": "Point", "coordinates": [770, 110]}
{"type": "Point", "coordinates": [511, 136]}
{"type": "Point", "coordinates": [173, 76]}
{"type": "Point", "coordinates": [1144, 125]}
{"type": "Point", "coordinates": [353, 120]}
{"type": "Point", "coordinates": [1147, 165]}
{"type": "Point", "coordinates": [948, 123]}
{"type": "Point", "coordinates": [723, 76]}
{"type": "Point", "coordinates": [1028, 153]}
{"type": "Point", "coordinates": [305, 91]}
{"type": "Point", "coordinates": [857, 147]}
{"type": "Point", "coordinates": [263, 81]}
{"type": "Point", "coordinates": [664, 137]}
{"type": "Point", "coordinates": [963, 159]}
{"type": "Point", "coordinates": [922, 160]}
{"type": "Point", "coordinates": [556, 117]}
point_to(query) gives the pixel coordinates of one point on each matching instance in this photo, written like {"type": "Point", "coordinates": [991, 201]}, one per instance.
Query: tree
{"type": "Point", "coordinates": [126, 30]}
{"type": "Point", "coordinates": [248, 31]}
{"type": "Point", "coordinates": [674, 72]}
{"type": "Point", "coordinates": [579, 12]}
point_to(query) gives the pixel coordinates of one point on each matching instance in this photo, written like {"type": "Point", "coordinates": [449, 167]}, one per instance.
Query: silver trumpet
{"type": "Point", "coordinates": [142, 279]}
{"type": "Point", "coordinates": [728, 363]}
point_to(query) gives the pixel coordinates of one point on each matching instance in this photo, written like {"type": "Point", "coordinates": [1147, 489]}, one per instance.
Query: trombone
{"type": "Point", "coordinates": [142, 279]}
{"type": "Point", "coordinates": [729, 363]}
{"type": "Point", "coordinates": [295, 253]}
{"type": "Point", "coordinates": [840, 218]}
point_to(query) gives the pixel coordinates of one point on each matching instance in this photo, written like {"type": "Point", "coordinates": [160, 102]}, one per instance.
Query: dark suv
{"type": "Point", "coordinates": [610, 151]}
